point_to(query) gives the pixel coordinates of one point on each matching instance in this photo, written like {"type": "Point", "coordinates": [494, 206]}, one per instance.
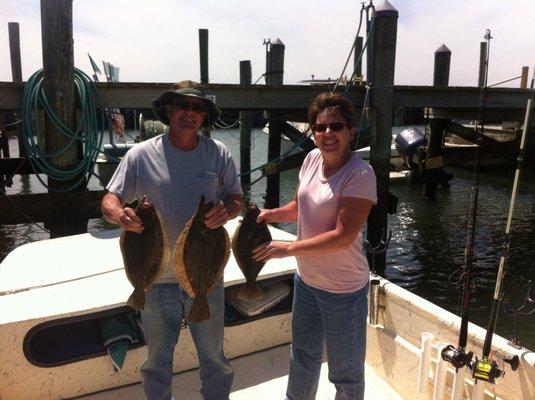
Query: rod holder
{"type": "Point", "coordinates": [373, 311]}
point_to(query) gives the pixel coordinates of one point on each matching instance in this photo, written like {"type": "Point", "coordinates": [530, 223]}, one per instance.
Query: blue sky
{"type": "Point", "coordinates": [157, 41]}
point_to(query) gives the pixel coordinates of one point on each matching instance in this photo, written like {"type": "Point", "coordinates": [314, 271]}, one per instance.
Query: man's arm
{"type": "Point", "coordinates": [113, 211]}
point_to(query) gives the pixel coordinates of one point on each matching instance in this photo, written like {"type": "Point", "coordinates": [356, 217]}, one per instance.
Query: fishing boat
{"type": "Point", "coordinates": [54, 295]}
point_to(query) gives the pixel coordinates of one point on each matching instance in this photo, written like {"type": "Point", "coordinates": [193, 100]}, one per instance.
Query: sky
{"type": "Point", "coordinates": [157, 40]}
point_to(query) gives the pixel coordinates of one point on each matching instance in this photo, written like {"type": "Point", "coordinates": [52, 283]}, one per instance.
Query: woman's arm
{"type": "Point", "coordinates": [287, 213]}
{"type": "Point", "coordinates": [352, 215]}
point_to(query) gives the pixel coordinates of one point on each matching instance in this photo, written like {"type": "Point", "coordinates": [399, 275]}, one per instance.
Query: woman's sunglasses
{"type": "Point", "coordinates": [186, 105]}
{"type": "Point", "coordinates": [336, 126]}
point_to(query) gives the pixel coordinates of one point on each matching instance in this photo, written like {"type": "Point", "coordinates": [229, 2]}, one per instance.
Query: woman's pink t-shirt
{"type": "Point", "coordinates": [342, 271]}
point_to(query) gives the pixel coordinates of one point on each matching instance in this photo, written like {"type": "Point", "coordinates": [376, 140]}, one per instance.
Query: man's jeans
{"type": "Point", "coordinates": [165, 307]}
{"type": "Point", "coordinates": [339, 319]}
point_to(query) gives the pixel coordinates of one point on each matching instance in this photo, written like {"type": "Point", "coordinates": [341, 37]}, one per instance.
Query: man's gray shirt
{"type": "Point", "coordinates": [174, 181]}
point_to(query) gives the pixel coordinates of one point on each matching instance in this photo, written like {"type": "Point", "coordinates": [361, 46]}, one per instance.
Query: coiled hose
{"type": "Point", "coordinates": [86, 131]}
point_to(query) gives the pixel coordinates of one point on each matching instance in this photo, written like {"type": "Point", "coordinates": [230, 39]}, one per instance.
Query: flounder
{"type": "Point", "coordinates": [249, 234]}
{"type": "Point", "coordinates": [145, 254]}
{"type": "Point", "coordinates": [200, 257]}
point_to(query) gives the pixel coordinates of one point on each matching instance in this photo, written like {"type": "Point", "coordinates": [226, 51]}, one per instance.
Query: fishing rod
{"type": "Point", "coordinates": [486, 369]}
{"type": "Point", "coordinates": [458, 356]}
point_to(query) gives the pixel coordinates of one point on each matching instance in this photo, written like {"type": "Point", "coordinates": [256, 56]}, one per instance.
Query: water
{"type": "Point", "coordinates": [428, 239]}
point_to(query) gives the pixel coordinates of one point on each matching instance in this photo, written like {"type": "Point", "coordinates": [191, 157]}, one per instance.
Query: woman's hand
{"type": "Point", "coordinates": [265, 215]}
{"type": "Point", "coordinates": [217, 216]}
{"type": "Point", "coordinates": [273, 249]}
{"type": "Point", "coordinates": [129, 221]}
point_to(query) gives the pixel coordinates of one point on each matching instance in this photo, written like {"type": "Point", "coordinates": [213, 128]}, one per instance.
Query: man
{"type": "Point", "coordinates": [174, 170]}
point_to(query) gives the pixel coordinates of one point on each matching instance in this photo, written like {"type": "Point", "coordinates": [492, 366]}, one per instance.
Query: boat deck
{"type": "Point", "coordinates": [259, 376]}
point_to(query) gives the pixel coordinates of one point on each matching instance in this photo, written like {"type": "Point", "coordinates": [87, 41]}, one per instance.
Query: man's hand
{"type": "Point", "coordinates": [129, 221]}
{"type": "Point", "coordinates": [217, 216]}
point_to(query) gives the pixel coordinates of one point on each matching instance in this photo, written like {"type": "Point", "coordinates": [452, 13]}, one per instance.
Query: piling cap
{"type": "Point", "coordinates": [277, 42]}
{"type": "Point", "coordinates": [443, 49]}
{"type": "Point", "coordinates": [385, 9]}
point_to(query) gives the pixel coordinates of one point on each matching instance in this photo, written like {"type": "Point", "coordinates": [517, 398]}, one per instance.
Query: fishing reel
{"type": "Point", "coordinates": [486, 370]}
{"type": "Point", "coordinates": [456, 356]}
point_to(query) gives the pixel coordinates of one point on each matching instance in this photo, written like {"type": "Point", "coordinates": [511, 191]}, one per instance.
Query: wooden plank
{"type": "Point", "coordinates": [15, 165]}
{"type": "Point", "coordinates": [26, 208]}
{"type": "Point", "coordinates": [457, 99]}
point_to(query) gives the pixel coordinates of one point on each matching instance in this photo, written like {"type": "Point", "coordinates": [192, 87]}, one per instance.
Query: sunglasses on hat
{"type": "Point", "coordinates": [336, 126]}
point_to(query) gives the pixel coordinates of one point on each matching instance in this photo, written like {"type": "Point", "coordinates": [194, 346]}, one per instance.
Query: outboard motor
{"type": "Point", "coordinates": [407, 143]}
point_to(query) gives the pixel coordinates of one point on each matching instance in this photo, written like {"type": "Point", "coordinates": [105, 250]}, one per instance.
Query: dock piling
{"type": "Point", "coordinates": [203, 55]}
{"type": "Point", "coordinates": [58, 72]}
{"type": "Point", "coordinates": [382, 102]}
{"type": "Point", "coordinates": [245, 128]}
{"type": "Point", "coordinates": [524, 77]}
{"type": "Point", "coordinates": [437, 125]}
{"type": "Point", "coordinates": [274, 76]}
{"type": "Point", "coordinates": [482, 62]}
{"type": "Point", "coordinates": [16, 67]}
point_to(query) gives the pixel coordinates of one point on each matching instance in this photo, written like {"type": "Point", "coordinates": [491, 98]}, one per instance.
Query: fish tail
{"type": "Point", "coordinates": [250, 292]}
{"type": "Point", "coordinates": [200, 311]}
{"type": "Point", "coordinates": [137, 299]}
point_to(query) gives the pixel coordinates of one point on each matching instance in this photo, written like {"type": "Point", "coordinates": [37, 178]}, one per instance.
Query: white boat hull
{"type": "Point", "coordinates": [74, 277]}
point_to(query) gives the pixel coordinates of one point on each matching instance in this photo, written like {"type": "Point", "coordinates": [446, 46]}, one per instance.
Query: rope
{"type": "Point", "coordinates": [86, 131]}
{"type": "Point", "coordinates": [351, 51]}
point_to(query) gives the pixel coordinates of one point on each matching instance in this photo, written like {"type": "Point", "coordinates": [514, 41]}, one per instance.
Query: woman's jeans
{"type": "Point", "coordinates": [165, 307]}
{"type": "Point", "coordinates": [339, 319]}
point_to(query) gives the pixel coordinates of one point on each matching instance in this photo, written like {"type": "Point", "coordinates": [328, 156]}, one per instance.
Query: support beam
{"type": "Point", "coordinates": [42, 207]}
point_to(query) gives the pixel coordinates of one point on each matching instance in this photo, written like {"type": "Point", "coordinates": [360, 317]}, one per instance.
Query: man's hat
{"type": "Point", "coordinates": [185, 89]}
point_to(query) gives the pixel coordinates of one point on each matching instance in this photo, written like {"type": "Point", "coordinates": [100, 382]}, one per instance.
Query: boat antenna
{"type": "Point", "coordinates": [484, 368]}
{"type": "Point", "coordinates": [458, 357]}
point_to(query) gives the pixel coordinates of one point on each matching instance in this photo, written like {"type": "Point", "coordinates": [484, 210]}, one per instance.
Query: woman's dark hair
{"type": "Point", "coordinates": [332, 101]}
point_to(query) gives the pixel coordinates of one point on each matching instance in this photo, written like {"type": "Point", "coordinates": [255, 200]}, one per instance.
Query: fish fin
{"type": "Point", "coordinates": [200, 311]}
{"type": "Point", "coordinates": [250, 293]}
{"type": "Point", "coordinates": [137, 299]}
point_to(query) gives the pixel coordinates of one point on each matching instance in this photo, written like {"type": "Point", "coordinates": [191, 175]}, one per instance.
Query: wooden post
{"type": "Point", "coordinates": [524, 78]}
{"type": "Point", "coordinates": [369, 49]}
{"type": "Point", "coordinates": [4, 149]}
{"type": "Point", "coordinates": [441, 75]}
{"type": "Point", "coordinates": [58, 64]}
{"type": "Point", "coordinates": [382, 102]}
{"type": "Point", "coordinates": [482, 61]}
{"type": "Point", "coordinates": [357, 64]}
{"type": "Point", "coordinates": [14, 51]}
{"type": "Point", "coordinates": [437, 126]}
{"type": "Point", "coordinates": [245, 129]}
{"type": "Point", "coordinates": [16, 68]}
{"type": "Point", "coordinates": [203, 54]}
{"type": "Point", "coordinates": [275, 72]}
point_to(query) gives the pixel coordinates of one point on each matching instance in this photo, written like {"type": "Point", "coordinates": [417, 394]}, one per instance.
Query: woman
{"type": "Point", "coordinates": [335, 194]}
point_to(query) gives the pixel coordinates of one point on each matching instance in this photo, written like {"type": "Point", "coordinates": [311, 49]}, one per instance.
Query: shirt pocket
{"type": "Point", "coordinates": [207, 186]}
